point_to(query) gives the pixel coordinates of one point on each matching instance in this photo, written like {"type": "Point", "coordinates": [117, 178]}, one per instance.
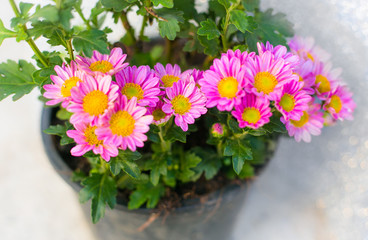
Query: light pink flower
{"type": "Point", "coordinates": [305, 49]}
{"type": "Point", "coordinates": [305, 72]}
{"type": "Point", "coordinates": [242, 56]}
{"type": "Point", "coordinates": [279, 52]}
{"type": "Point", "coordinates": [325, 79]}
{"type": "Point", "coordinates": [253, 112]}
{"type": "Point", "coordinates": [339, 103]}
{"type": "Point", "coordinates": [67, 77]}
{"type": "Point", "coordinates": [86, 140]}
{"type": "Point", "coordinates": [185, 101]}
{"type": "Point", "coordinates": [103, 63]}
{"type": "Point", "coordinates": [141, 83]}
{"type": "Point", "coordinates": [159, 116]}
{"type": "Point", "coordinates": [168, 75]}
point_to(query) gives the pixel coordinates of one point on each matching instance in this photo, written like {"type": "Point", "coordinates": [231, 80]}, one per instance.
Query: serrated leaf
{"type": "Point", "coordinates": [60, 130]}
{"type": "Point", "coordinates": [234, 126]}
{"type": "Point", "coordinates": [240, 20]}
{"type": "Point", "coordinates": [187, 6]}
{"type": "Point", "coordinates": [5, 33]}
{"type": "Point", "coordinates": [117, 6]}
{"type": "Point", "coordinates": [158, 167]}
{"type": "Point", "coordinates": [208, 28]}
{"type": "Point", "coordinates": [102, 189]}
{"type": "Point", "coordinates": [164, 3]}
{"type": "Point", "coordinates": [239, 151]}
{"type": "Point", "coordinates": [257, 132]}
{"type": "Point", "coordinates": [52, 31]}
{"type": "Point", "coordinates": [186, 173]}
{"type": "Point", "coordinates": [48, 13]}
{"type": "Point", "coordinates": [247, 171]}
{"type": "Point", "coordinates": [90, 40]}
{"type": "Point", "coordinates": [275, 125]}
{"type": "Point", "coordinates": [16, 78]}
{"type": "Point", "coordinates": [176, 134]}
{"type": "Point", "coordinates": [124, 161]}
{"type": "Point", "coordinates": [251, 5]}
{"type": "Point", "coordinates": [146, 193]}
{"type": "Point", "coordinates": [225, 3]}
{"type": "Point", "coordinates": [211, 47]}
{"type": "Point", "coordinates": [169, 28]}
{"type": "Point", "coordinates": [24, 8]}
{"type": "Point", "coordinates": [217, 8]}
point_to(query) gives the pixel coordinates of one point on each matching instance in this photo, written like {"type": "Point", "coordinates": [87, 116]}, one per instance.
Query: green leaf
{"type": "Point", "coordinates": [240, 20]}
{"type": "Point", "coordinates": [208, 28]}
{"type": "Point", "coordinates": [52, 31]}
{"type": "Point", "coordinates": [90, 40]}
{"type": "Point", "coordinates": [257, 132]}
{"type": "Point", "coordinates": [234, 126]}
{"type": "Point", "coordinates": [63, 114]}
{"type": "Point", "coordinates": [78, 176]}
{"type": "Point", "coordinates": [251, 5]}
{"type": "Point", "coordinates": [217, 8]}
{"type": "Point", "coordinates": [124, 161]}
{"type": "Point", "coordinates": [164, 3]}
{"type": "Point", "coordinates": [102, 189]}
{"type": "Point", "coordinates": [187, 6]}
{"type": "Point", "coordinates": [5, 33]}
{"type": "Point", "coordinates": [48, 13]}
{"type": "Point", "coordinates": [24, 8]}
{"type": "Point", "coordinates": [247, 171]}
{"type": "Point", "coordinates": [16, 78]}
{"type": "Point", "coordinates": [60, 130]}
{"type": "Point", "coordinates": [170, 26]}
{"type": "Point", "coordinates": [275, 125]}
{"type": "Point", "coordinates": [185, 174]}
{"type": "Point", "coordinates": [117, 6]}
{"type": "Point", "coordinates": [239, 151]}
{"type": "Point", "coordinates": [210, 164]}
{"type": "Point", "coordinates": [158, 167]}
{"type": "Point", "coordinates": [211, 47]}
{"type": "Point", "coordinates": [225, 3]}
{"type": "Point", "coordinates": [176, 134]}
{"type": "Point", "coordinates": [146, 193]}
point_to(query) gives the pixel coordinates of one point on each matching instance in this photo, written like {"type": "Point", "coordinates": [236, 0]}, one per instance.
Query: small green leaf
{"type": "Point", "coordinates": [146, 193]}
{"type": "Point", "coordinates": [60, 131]}
{"type": "Point", "coordinates": [251, 5]}
{"type": "Point", "coordinates": [240, 20]}
{"type": "Point", "coordinates": [16, 78]}
{"type": "Point", "coordinates": [164, 3]}
{"type": "Point", "coordinates": [185, 174]}
{"type": "Point", "coordinates": [275, 125]}
{"type": "Point", "coordinates": [78, 176]}
{"type": "Point", "coordinates": [247, 171]}
{"type": "Point", "coordinates": [169, 28]}
{"type": "Point", "coordinates": [257, 132]}
{"type": "Point", "coordinates": [211, 47]}
{"type": "Point", "coordinates": [208, 28]}
{"type": "Point", "coordinates": [117, 6]}
{"type": "Point", "coordinates": [90, 40]}
{"type": "Point", "coordinates": [52, 31]}
{"type": "Point", "coordinates": [176, 134]}
{"type": "Point", "coordinates": [5, 33]}
{"type": "Point", "coordinates": [158, 167]}
{"type": "Point", "coordinates": [24, 8]}
{"type": "Point", "coordinates": [225, 3]}
{"type": "Point", "coordinates": [63, 114]}
{"type": "Point", "coordinates": [234, 126]}
{"type": "Point", "coordinates": [102, 189]}
{"type": "Point", "coordinates": [48, 13]}
{"type": "Point", "coordinates": [239, 151]}
{"type": "Point", "coordinates": [217, 8]}
{"type": "Point", "coordinates": [124, 161]}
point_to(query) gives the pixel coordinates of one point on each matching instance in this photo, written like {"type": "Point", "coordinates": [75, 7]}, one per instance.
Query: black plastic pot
{"type": "Point", "coordinates": [212, 219]}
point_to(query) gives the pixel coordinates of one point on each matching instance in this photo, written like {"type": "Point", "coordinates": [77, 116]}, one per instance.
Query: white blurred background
{"type": "Point", "coordinates": [315, 191]}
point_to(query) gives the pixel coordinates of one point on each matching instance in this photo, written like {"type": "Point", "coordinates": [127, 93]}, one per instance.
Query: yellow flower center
{"type": "Point", "coordinates": [300, 77]}
{"type": "Point", "coordinates": [228, 87]}
{"type": "Point", "coordinates": [158, 114]}
{"type": "Point", "coordinates": [287, 102]}
{"type": "Point", "coordinates": [101, 66]}
{"type": "Point", "coordinates": [303, 120]}
{"type": "Point", "coordinates": [68, 85]}
{"type": "Point", "coordinates": [335, 103]}
{"type": "Point", "coordinates": [181, 104]}
{"type": "Point", "coordinates": [122, 123]}
{"type": "Point", "coordinates": [169, 80]}
{"type": "Point", "coordinates": [91, 137]}
{"type": "Point", "coordinates": [132, 90]}
{"type": "Point", "coordinates": [265, 82]}
{"type": "Point", "coordinates": [251, 115]}
{"type": "Point", "coordinates": [95, 103]}
{"type": "Point", "coordinates": [324, 84]}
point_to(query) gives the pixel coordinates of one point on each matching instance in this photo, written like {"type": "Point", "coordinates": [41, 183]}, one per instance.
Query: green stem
{"type": "Point", "coordinates": [70, 49]}
{"type": "Point", "coordinates": [223, 35]}
{"type": "Point", "coordinates": [128, 27]}
{"type": "Point", "coordinates": [144, 23]}
{"type": "Point", "coordinates": [80, 13]}
{"type": "Point", "coordinates": [30, 41]}
{"type": "Point", "coordinates": [165, 145]}
{"type": "Point", "coordinates": [168, 48]}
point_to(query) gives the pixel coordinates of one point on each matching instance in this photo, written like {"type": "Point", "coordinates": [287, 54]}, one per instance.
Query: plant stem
{"type": "Point", "coordinates": [128, 27]}
{"type": "Point", "coordinates": [168, 48]}
{"type": "Point", "coordinates": [70, 49]}
{"type": "Point", "coordinates": [30, 41]}
{"type": "Point", "coordinates": [223, 35]}
{"type": "Point", "coordinates": [144, 23]}
{"type": "Point", "coordinates": [80, 13]}
{"type": "Point", "coordinates": [165, 145]}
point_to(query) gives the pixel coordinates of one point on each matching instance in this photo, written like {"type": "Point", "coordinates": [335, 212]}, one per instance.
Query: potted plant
{"type": "Point", "coordinates": [176, 123]}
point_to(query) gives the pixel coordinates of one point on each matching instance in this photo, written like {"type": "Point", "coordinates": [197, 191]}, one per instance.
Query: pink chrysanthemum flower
{"type": "Point", "coordinates": [305, 49]}
{"type": "Point", "coordinates": [195, 73]}
{"type": "Point", "coordinates": [339, 103]}
{"type": "Point", "coordinates": [223, 83]}
{"type": "Point", "coordinates": [168, 75]}
{"type": "Point", "coordinates": [305, 72]}
{"type": "Point", "coordinates": [242, 56]}
{"type": "Point", "coordinates": [253, 112]}
{"type": "Point", "coordinates": [185, 101]}
{"type": "Point", "coordinates": [86, 140]}
{"type": "Point", "coordinates": [292, 101]}
{"type": "Point", "coordinates": [266, 75]}
{"type": "Point", "coordinates": [159, 116]}
{"type": "Point", "coordinates": [67, 78]}
{"type": "Point", "coordinates": [125, 125]}
{"type": "Point", "coordinates": [279, 52]}
{"type": "Point", "coordinates": [92, 99]}
{"type": "Point", "coordinates": [309, 124]}
{"type": "Point", "coordinates": [103, 63]}
{"type": "Point", "coordinates": [325, 79]}
{"type": "Point", "coordinates": [141, 83]}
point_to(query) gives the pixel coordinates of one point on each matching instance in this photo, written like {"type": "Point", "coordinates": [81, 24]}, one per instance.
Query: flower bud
{"type": "Point", "coordinates": [218, 130]}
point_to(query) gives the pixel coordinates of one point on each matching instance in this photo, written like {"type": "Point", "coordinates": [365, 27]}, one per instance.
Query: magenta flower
{"type": "Point", "coordinates": [141, 83]}
{"type": "Point", "coordinates": [86, 140]}
{"type": "Point", "coordinates": [339, 103]}
{"type": "Point", "coordinates": [253, 112]}
{"type": "Point", "coordinates": [279, 52]}
{"type": "Point", "coordinates": [185, 101]}
{"type": "Point", "coordinates": [292, 101]}
{"type": "Point", "coordinates": [125, 125]}
{"type": "Point", "coordinates": [103, 63]}
{"type": "Point", "coordinates": [223, 83]}
{"type": "Point", "coordinates": [309, 124]}
{"type": "Point", "coordinates": [242, 56]}
{"type": "Point", "coordinates": [159, 116]}
{"type": "Point", "coordinates": [67, 78]}
{"type": "Point", "coordinates": [92, 99]}
{"type": "Point", "coordinates": [305, 72]}
{"type": "Point", "coordinates": [266, 75]}
{"type": "Point", "coordinates": [325, 79]}
{"type": "Point", "coordinates": [168, 75]}
{"type": "Point", "coordinates": [195, 73]}
{"type": "Point", "coordinates": [305, 49]}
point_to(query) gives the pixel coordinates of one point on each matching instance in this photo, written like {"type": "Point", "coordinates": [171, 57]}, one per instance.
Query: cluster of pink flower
{"type": "Point", "coordinates": [299, 84]}
{"type": "Point", "coordinates": [113, 104]}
